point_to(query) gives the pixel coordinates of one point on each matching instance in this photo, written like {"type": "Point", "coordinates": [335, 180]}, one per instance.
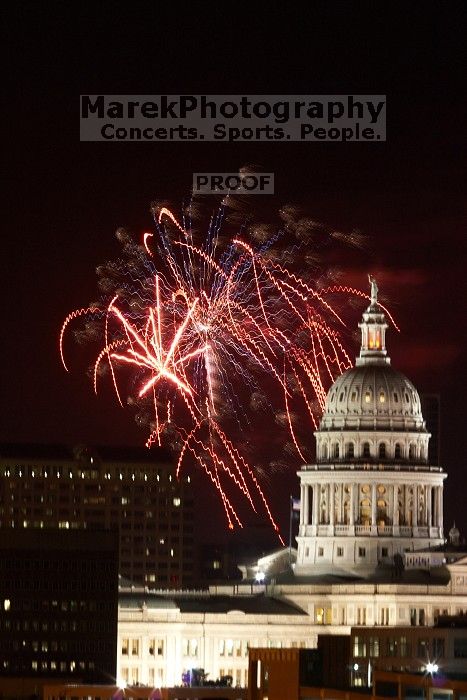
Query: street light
{"type": "Point", "coordinates": [431, 667]}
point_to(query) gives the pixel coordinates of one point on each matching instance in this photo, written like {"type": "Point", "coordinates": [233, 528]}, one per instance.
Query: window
{"type": "Point", "coordinates": [323, 616]}
{"type": "Point", "coordinates": [125, 647]}
{"type": "Point", "coordinates": [423, 648]}
{"type": "Point", "coordinates": [367, 396]}
{"type": "Point", "coordinates": [392, 646]}
{"type": "Point", "coordinates": [359, 647]}
{"type": "Point", "coordinates": [336, 450]}
{"type": "Point", "coordinates": [135, 647]}
{"type": "Point", "coordinates": [190, 647]}
{"type": "Point", "coordinates": [340, 551]}
{"type": "Point", "coordinates": [362, 552]}
{"type": "Point", "coordinates": [382, 450]}
{"type": "Point", "coordinates": [460, 648]}
{"type": "Point", "coordinates": [350, 450]}
{"type": "Point", "coordinates": [361, 616]}
{"type": "Point", "coordinates": [404, 647]}
{"type": "Point", "coordinates": [397, 451]}
{"type": "Point", "coordinates": [438, 647]}
{"type": "Point", "coordinates": [384, 616]}
{"type": "Point", "coordinates": [156, 647]}
{"type": "Point", "coordinates": [366, 449]}
{"type": "Point", "coordinates": [382, 397]}
{"type": "Point", "coordinates": [320, 551]}
{"type": "Point", "coordinates": [384, 551]}
{"type": "Point", "coordinates": [374, 646]}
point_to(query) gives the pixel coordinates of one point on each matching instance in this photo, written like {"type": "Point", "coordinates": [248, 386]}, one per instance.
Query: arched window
{"type": "Point", "coordinates": [382, 396]}
{"type": "Point", "coordinates": [366, 449]}
{"type": "Point", "coordinates": [324, 451]}
{"type": "Point", "coordinates": [336, 450]}
{"type": "Point", "coordinates": [382, 450]}
{"type": "Point", "coordinates": [350, 451]}
{"type": "Point", "coordinates": [398, 451]}
{"type": "Point", "coordinates": [412, 452]}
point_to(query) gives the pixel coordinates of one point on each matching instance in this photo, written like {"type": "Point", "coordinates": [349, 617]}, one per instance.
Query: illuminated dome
{"type": "Point", "coordinates": [373, 396]}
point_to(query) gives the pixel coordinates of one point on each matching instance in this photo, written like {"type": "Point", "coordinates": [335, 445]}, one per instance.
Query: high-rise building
{"type": "Point", "coordinates": [132, 490]}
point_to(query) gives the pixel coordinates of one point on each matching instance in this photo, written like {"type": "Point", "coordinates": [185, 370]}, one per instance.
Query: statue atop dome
{"type": "Point", "coordinates": [374, 290]}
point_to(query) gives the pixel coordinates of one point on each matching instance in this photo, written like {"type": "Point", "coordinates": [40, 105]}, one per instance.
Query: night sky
{"type": "Point", "coordinates": [65, 199]}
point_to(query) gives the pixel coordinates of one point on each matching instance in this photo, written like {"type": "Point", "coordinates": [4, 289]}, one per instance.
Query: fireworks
{"type": "Point", "coordinates": [213, 330]}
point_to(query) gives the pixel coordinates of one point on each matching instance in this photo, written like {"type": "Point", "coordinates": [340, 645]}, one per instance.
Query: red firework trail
{"type": "Point", "coordinates": [198, 328]}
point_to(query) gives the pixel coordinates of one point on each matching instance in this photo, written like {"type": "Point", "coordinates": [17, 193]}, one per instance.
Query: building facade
{"type": "Point", "coordinates": [58, 605]}
{"type": "Point", "coordinates": [131, 490]}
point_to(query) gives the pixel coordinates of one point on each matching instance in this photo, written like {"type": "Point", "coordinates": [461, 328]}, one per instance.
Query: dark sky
{"type": "Point", "coordinates": [64, 199]}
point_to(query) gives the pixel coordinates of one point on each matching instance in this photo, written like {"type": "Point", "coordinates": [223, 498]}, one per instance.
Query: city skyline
{"type": "Point", "coordinates": [67, 199]}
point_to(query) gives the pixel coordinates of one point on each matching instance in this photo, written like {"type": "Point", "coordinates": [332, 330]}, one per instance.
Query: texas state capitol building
{"type": "Point", "coordinates": [370, 501]}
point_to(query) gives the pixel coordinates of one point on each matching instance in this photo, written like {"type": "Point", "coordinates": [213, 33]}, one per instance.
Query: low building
{"type": "Point", "coordinates": [440, 651]}
{"type": "Point", "coordinates": [58, 607]}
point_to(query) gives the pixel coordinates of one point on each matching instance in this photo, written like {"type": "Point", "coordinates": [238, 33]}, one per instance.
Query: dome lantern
{"type": "Point", "coordinates": [373, 327]}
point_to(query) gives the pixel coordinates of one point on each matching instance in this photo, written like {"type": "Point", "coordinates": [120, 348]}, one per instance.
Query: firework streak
{"type": "Point", "coordinates": [203, 325]}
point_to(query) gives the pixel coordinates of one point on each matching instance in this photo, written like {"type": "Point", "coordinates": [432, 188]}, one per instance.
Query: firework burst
{"type": "Point", "coordinates": [212, 331]}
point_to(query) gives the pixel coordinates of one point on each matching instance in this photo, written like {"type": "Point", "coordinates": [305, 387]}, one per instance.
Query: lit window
{"type": "Point", "coordinates": [382, 397]}
{"type": "Point", "coordinates": [6, 604]}
{"type": "Point", "coordinates": [176, 501]}
{"type": "Point", "coordinates": [216, 564]}
{"type": "Point", "coordinates": [367, 396]}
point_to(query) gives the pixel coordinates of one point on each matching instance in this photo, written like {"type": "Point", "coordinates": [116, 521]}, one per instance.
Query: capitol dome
{"type": "Point", "coordinates": [373, 396]}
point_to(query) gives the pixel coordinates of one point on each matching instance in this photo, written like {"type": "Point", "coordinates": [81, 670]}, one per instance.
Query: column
{"type": "Point", "coordinates": [331, 504]}
{"type": "Point", "coordinates": [315, 513]}
{"type": "Point", "coordinates": [302, 504]}
{"type": "Point", "coordinates": [307, 504]}
{"type": "Point", "coordinates": [395, 506]}
{"type": "Point", "coordinates": [440, 494]}
{"type": "Point", "coordinates": [428, 505]}
{"type": "Point", "coordinates": [373, 505]}
{"type": "Point", "coordinates": [351, 504]}
{"type": "Point", "coordinates": [436, 508]}
{"type": "Point", "coordinates": [415, 505]}
{"type": "Point", "coordinates": [406, 504]}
